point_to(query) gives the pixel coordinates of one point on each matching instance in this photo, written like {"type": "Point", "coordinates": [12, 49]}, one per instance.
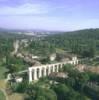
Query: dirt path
{"type": "Point", "coordinates": [3, 87]}
{"type": "Point", "coordinates": [13, 96]}
{"type": "Point", "coordinates": [4, 93]}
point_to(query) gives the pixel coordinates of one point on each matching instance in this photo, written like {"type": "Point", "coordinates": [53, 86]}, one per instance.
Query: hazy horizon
{"type": "Point", "coordinates": [61, 15]}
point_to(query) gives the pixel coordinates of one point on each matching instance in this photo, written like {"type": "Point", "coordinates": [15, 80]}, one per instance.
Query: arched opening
{"type": "Point", "coordinates": [47, 69]}
{"type": "Point", "coordinates": [38, 71]}
{"type": "Point", "coordinates": [42, 72]}
{"type": "Point", "coordinates": [33, 74]}
{"type": "Point", "coordinates": [59, 67]}
{"type": "Point", "coordinates": [63, 65]}
{"type": "Point", "coordinates": [55, 68]}
{"type": "Point", "coordinates": [51, 69]}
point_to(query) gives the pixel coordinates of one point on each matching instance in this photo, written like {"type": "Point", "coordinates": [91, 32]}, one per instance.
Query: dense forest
{"type": "Point", "coordinates": [83, 42]}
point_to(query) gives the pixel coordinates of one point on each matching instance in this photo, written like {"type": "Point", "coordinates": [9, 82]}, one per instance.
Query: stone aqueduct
{"type": "Point", "coordinates": [37, 72]}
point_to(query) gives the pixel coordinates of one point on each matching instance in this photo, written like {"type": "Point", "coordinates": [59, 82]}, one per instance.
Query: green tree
{"type": "Point", "coordinates": [39, 93]}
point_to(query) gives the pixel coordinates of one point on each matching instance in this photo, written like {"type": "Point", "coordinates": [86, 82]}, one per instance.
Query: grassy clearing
{"type": "Point", "coordinates": [60, 50]}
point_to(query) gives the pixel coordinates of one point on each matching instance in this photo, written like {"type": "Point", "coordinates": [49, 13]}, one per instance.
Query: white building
{"type": "Point", "coordinates": [52, 57]}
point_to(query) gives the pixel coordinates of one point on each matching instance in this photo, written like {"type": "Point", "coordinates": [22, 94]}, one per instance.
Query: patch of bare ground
{"type": "Point", "coordinates": [16, 96]}
{"type": "Point", "coordinates": [12, 96]}
{"type": "Point", "coordinates": [94, 69]}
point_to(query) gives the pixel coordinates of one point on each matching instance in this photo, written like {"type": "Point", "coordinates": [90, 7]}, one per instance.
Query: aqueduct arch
{"type": "Point", "coordinates": [37, 72]}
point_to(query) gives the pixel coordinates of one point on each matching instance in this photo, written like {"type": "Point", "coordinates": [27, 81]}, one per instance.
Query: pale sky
{"type": "Point", "coordinates": [49, 14]}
